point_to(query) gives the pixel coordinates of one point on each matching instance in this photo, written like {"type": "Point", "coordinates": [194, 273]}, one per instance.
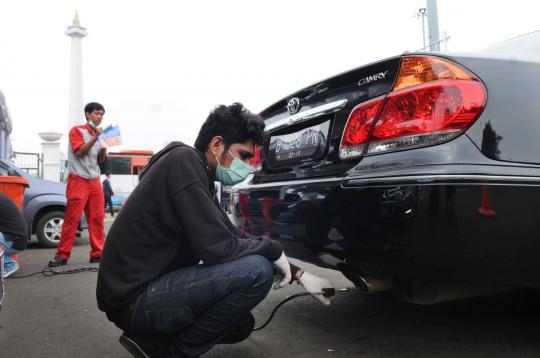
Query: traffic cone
{"type": "Point", "coordinates": [486, 209]}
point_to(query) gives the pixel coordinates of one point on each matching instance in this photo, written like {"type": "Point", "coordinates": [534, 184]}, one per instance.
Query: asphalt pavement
{"type": "Point", "coordinates": [58, 317]}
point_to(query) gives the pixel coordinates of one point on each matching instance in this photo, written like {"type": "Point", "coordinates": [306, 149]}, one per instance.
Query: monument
{"type": "Point", "coordinates": [77, 33]}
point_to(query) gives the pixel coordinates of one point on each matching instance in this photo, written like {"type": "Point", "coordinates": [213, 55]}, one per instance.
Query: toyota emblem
{"type": "Point", "coordinates": [293, 106]}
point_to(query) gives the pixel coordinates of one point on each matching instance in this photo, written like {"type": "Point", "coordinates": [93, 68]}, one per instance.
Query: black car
{"type": "Point", "coordinates": [418, 174]}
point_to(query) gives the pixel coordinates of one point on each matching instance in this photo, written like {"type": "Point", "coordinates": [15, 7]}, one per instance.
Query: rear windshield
{"type": "Point", "coordinates": [527, 45]}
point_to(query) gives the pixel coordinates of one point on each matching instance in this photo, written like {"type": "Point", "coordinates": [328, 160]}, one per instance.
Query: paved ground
{"type": "Point", "coordinates": [58, 317]}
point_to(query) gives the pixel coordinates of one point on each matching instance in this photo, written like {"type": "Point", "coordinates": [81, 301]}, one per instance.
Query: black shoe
{"type": "Point", "coordinates": [95, 260]}
{"type": "Point", "coordinates": [240, 331]}
{"type": "Point", "coordinates": [57, 261]}
{"type": "Point", "coordinates": [143, 347]}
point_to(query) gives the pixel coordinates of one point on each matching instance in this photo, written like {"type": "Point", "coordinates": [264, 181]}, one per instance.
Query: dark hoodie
{"type": "Point", "coordinates": [12, 224]}
{"type": "Point", "coordinates": [170, 221]}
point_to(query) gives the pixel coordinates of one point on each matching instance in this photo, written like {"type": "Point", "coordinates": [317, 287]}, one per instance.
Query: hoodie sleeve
{"type": "Point", "coordinates": [207, 228]}
{"type": "Point", "coordinates": [12, 224]}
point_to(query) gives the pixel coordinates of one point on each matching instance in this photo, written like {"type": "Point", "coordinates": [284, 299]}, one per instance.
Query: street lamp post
{"type": "Point", "coordinates": [422, 14]}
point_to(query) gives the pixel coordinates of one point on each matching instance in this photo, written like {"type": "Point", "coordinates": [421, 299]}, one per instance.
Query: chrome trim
{"type": "Point", "coordinates": [308, 114]}
{"type": "Point", "coordinates": [432, 179]}
{"type": "Point", "coordinates": [286, 183]}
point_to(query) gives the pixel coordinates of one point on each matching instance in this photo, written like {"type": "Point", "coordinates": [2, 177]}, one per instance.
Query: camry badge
{"type": "Point", "coordinates": [293, 106]}
{"type": "Point", "coordinates": [372, 78]}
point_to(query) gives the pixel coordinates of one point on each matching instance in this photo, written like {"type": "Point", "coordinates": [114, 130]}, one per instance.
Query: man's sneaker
{"type": "Point", "coordinates": [143, 347]}
{"type": "Point", "coordinates": [240, 331]}
{"type": "Point", "coordinates": [10, 267]}
{"type": "Point", "coordinates": [57, 261]}
{"type": "Point", "coordinates": [95, 260]}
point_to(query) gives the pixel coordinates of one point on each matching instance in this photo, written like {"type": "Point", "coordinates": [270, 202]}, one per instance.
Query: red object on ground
{"type": "Point", "coordinates": [486, 209]}
{"type": "Point", "coordinates": [13, 188]}
{"type": "Point", "coordinates": [83, 195]}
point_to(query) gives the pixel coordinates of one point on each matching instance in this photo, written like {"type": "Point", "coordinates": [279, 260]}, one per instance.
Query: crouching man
{"type": "Point", "coordinates": [151, 281]}
{"type": "Point", "coordinates": [13, 235]}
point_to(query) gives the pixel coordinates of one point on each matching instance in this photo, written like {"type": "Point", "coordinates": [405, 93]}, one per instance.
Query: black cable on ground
{"type": "Point", "coordinates": [49, 272]}
{"type": "Point", "coordinates": [278, 306]}
{"type": "Point", "coordinates": [327, 292]}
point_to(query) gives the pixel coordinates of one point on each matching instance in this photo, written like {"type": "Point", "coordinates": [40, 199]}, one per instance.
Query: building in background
{"type": "Point", "coordinates": [125, 168]}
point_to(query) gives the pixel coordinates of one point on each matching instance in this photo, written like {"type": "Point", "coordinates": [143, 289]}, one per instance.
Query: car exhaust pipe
{"type": "Point", "coordinates": [419, 292]}
{"type": "Point", "coordinates": [363, 282]}
{"type": "Point", "coordinates": [376, 284]}
{"type": "Point", "coordinates": [369, 283]}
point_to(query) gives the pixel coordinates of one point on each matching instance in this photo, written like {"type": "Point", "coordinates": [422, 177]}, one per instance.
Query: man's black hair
{"type": "Point", "coordinates": [234, 123]}
{"type": "Point", "coordinates": [93, 106]}
{"type": "Point", "coordinates": [107, 174]}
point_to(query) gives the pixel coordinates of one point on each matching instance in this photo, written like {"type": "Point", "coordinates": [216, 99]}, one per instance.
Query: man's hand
{"type": "Point", "coordinates": [85, 148]}
{"type": "Point", "coordinates": [284, 270]}
{"type": "Point", "coordinates": [315, 284]}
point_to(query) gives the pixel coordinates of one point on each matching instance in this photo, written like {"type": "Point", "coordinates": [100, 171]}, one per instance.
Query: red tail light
{"type": "Point", "coordinates": [433, 101]}
{"type": "Point", "coordinates": [358, 128]}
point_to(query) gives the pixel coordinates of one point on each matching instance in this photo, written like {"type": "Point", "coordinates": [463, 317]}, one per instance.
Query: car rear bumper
{"type": "Point", "coordinates": [445, 222]}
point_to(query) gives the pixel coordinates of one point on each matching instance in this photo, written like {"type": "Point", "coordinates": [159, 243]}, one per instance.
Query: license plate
{"type": "Point", "coordinates": [306, 144]}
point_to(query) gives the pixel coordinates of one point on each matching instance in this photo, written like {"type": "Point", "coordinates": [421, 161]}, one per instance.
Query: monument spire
{"type": "Point", "coordinates": [76, 32]}
{"type": "Point", "coordinates": [76, 20]}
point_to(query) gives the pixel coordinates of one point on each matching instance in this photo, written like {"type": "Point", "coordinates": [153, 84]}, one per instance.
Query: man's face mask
{"type": "Point", "coordinates": [92, 125]}
{"type": "Point", "coordinates": [233, 175]}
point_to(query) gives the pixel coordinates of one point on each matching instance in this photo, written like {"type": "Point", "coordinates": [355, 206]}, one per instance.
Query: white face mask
{"type": "Point", "coordinates": [92, 125]}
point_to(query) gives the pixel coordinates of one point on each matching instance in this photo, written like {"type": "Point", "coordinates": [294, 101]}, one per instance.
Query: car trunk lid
{"type": "Point", "coordinates": [304, 129]}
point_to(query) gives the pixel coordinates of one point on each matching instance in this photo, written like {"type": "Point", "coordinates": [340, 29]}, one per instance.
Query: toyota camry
{"type": "Point", "coordinates": [418, 174]}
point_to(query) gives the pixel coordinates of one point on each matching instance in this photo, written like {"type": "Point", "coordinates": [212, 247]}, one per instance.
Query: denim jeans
{"type": "Point", "coordinates": [8, 251]}
{"type": "Point", "coordinates": [201, 305]}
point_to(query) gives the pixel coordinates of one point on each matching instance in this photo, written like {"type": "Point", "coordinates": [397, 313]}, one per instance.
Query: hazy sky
{"type": "Point", "coordinates": [159, 67]}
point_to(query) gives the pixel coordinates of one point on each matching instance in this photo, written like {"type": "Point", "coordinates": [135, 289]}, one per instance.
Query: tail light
{"type": "Point", "coordinates": [433, 101]}
{"type": "Point", "coordinates": [358, 128]}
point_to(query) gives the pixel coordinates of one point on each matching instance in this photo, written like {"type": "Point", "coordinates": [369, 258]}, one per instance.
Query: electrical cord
{"type": "Point", "coordinates": [49, 272]}
{"type": "Point", "coordinates": [326, 292]}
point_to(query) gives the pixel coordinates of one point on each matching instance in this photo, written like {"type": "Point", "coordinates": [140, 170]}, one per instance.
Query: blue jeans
{"type": "Point", "coordinates": [8, 251]}
{"type": "Point", "coordinates": [201, 305]}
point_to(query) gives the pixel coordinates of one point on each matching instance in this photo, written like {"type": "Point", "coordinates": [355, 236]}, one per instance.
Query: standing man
{"type": "Point", "coordinates": [84, 191]}
{"type": "Point", "coordinates": [108, 193]}
{"type": "Point", "coordinates": [151, 281]}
